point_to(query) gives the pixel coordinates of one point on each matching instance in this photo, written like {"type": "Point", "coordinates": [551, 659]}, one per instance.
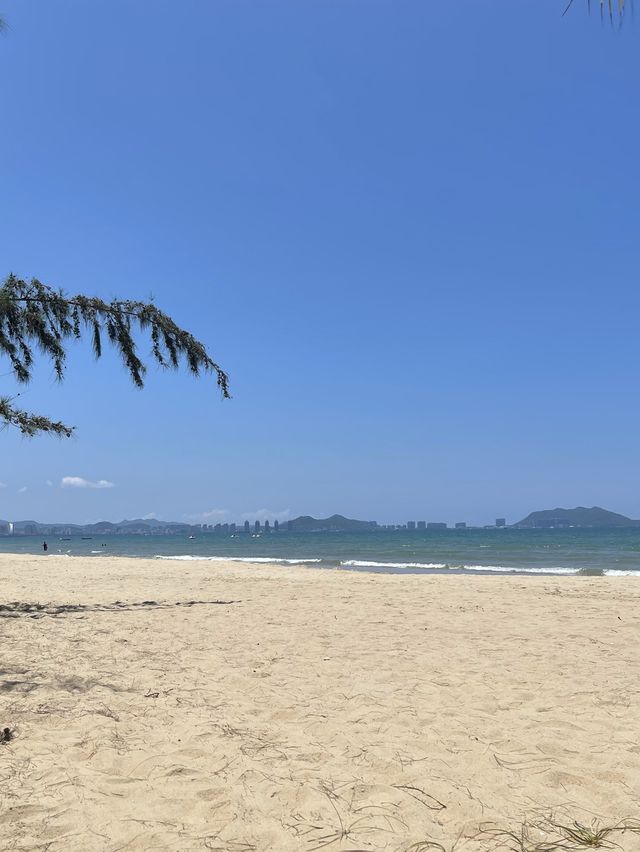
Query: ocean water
{"type": "Point", "coordinates": [473, 551]}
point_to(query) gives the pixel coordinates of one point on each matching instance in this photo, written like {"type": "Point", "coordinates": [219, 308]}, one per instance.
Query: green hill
{"type": "Point", "coordinates": [578, 517]}
{"type": "Point", "coordinates": [336, 523]}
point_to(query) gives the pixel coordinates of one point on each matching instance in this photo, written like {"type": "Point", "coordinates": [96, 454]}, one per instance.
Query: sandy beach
{"type": "Point", "coordinates": [224, 706]}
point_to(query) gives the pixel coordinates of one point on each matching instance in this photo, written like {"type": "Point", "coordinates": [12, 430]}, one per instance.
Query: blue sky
{"type": "Point", "coordinates": [409, 231]}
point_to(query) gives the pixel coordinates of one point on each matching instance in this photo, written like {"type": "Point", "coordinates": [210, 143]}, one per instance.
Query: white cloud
{"type": "Point", "coordinates": [217, 515]}
{"type": "Point", "coordinates": [220, 516]}
{"type": "Point", "coordinates": [267, 515]}
{"type": "Point", "coordinates": [23, 489]}
{"type": "Point", "coordinates": [79, 482]}
{"type": "Point", "coordinates": [49, 483]}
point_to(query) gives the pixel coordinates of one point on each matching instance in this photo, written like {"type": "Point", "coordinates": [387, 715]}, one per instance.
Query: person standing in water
{"type": "Point", "coordinates": [45, 546]}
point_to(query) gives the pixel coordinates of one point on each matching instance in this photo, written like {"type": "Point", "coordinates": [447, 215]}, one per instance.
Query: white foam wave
{"type": "Point", "coordinates": [359, 563]}
{"type": "Point", "coordinates": [512, 569]}
{"type": "Point", "coordinates": [264, 560]}
{"type": "Point", "coordinates": [614, 572]}
{"type": "Point", "coordinates": [390, 566]}
{"type": "Point", "coordinates": [489, 569]}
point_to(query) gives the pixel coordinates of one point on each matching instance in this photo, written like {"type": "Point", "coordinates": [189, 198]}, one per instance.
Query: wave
{"type": "Point", "coordinates": [443, 566]}
{"type": "Point", "coordinates": [263, 560]}
{"type": "Point", "coordinates": [358, 563]}
{"type": "Point", "coordinates": [559, 570]}
{"type": "Point", "coordinates": [615, 572]}
{"type": "Point", "coordinates": [513, 569]}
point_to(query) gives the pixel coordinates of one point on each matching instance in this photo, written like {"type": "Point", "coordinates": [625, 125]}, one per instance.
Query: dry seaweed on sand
{"type": "Point", "coordinates": [553, 835]}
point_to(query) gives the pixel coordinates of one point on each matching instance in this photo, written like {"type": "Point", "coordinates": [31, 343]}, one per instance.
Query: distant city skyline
{"type": "Point", "coordinates": [20, 527]}
{"type": "Point", "coordinates": [556, 518]}
{"type": "Point", "coordinates": [260, 520]}
{"type": "Point", "coordinates": [255, 524]}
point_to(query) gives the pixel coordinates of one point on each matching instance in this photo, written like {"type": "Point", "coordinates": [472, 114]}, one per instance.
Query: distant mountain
{"type": "Point", "coordinates": [336, 523]}
{"type": "Point", "coordinates": [151, 526]}
{"type": "Point", "coordinates": [578, 517]}
{"type": "Point", "coordinates": [34, 526]}
{"type": "Point", "coordinates": [139, 527]}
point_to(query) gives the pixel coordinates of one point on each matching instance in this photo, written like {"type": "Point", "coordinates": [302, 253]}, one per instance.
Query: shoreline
{"type": "Point", "coordinates": [261, 707]}
{"type": "Point", "coordinates": [350, 566]}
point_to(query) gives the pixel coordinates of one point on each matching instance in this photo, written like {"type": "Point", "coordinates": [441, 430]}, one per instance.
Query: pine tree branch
{"type": "Point", "coordinates": [35, 316]}
{"type": "Point", "coordinates": [31, 424]}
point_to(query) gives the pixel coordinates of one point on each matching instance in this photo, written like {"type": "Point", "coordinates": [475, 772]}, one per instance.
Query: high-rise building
{"type": "Point", "coordinates": [411, 525]}
{"type": "Point", "coordinates": [461, 525]}
{"type": "Point", "coordinates": [256, 526]}
{"type": "Point", "coordinates": [436, 526]}
{"type": "Point", "coordinates": [247, 527]}
{"type": "Point", "coordinates": [232, 528]}
{"type": "Point", "coordinates": [422, 525]}
{"type": "Point", "coordinates": [276, 525]}
{"type": "Point", "coordinates": [501, 522]}
{"type": "Point", "coordinates": [267, 526]}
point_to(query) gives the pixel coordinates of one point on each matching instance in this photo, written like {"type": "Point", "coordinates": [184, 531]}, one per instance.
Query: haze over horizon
{"type": "Point", "coordinates": [224, 516]}
{"type": "Point", "coordinates": [389, 228]}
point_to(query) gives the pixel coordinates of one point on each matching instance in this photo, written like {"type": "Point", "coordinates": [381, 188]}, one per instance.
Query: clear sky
{"type": "Point", "coordinates": [408, 230]}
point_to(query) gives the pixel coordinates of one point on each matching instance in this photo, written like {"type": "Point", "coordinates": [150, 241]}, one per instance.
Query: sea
{"type": "Point", "coordinates": [574, 551]}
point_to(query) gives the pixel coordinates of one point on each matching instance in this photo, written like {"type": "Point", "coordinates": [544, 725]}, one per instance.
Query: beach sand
{"type": "Point", "coordinates": [226, 706]}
